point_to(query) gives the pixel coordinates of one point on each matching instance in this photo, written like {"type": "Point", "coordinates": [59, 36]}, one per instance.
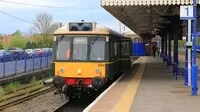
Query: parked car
{"type": "Point", "coordinates": [17, 53]}
{"type": "Point", "coordinates": [39, 51]}
{"type": "Point", "coordinates": [15, 50]}
{"type": "Point", "coordinates": [2, 52]}
{"type": "Point", "coordinates": [46, 50]}
{"type": "Point", "coordinates": [30, 52]}
{"type": "Point", "coordinates": [5, 55]}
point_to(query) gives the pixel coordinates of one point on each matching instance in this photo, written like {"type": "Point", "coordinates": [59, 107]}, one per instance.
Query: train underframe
{"type": "Point", "coordinates": [76, 87]}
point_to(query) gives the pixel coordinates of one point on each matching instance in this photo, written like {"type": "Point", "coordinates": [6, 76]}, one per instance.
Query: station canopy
{"type": "Point", "coordinates": [146, 16]}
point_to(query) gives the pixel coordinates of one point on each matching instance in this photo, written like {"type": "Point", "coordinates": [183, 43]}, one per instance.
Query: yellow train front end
{"type": "Point", "coordinates": [86, 56]}
{"type": "Point", "coordinates": [85, 74]}
{"type": "Point", "coordinates": [79, 63]}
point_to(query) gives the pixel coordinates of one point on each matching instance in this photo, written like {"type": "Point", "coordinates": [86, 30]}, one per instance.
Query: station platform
{"type": "Point", "coordinates": [148, 87]}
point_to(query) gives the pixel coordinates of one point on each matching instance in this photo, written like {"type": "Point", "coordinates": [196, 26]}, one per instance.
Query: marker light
{"type": "Point", "coordinates": [62, 70]}
{"type": "Point", "coordinates": [98, 73]}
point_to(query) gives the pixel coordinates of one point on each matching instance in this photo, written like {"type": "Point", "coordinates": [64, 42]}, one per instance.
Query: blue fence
{"type": "Point", "coordinates": [15, 65]}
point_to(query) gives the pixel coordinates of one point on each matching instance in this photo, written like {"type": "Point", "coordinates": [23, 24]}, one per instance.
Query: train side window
{"type": "Point", "coordinates": [125, 48]}
{"type": "Point", "coordinates": [115, 49]}
{"type": "Point", "coordinates": [112, 52]}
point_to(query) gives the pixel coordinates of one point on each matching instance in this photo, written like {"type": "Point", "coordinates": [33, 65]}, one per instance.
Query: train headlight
{"type": "Point", "coordinates": [79, 72]}
{"type": "Point", "coordinates": [62, 70]}
{"type": "Point", "coordinates": [97, 70]}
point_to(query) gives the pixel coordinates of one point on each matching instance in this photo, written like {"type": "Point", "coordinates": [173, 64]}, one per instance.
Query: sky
{"type": "Point", "coordinates": [72, 10]}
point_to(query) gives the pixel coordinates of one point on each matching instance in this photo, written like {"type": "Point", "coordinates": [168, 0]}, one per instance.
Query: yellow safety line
{"type": "Point", "coordinates": [127, 99]}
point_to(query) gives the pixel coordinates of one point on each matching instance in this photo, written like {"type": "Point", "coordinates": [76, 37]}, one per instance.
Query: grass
{"type": "Point", "coordinates": [16, 86]}
{"type": "Point", "coordinates": [13, 86]}
{"type": "Point", "coordinates": [15, 89]}
{"type": "Point", "coordinates": [20, 93]}
{"type": "Point", "coordinates": [34, 81]}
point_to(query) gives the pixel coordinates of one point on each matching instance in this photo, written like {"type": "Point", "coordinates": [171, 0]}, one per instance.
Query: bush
{"type": "Point", "coordinates": [18, 42]}
{"type": "Point", "coordinates": [44, 40]}
{"type": "Point", "coordinates": [34, 45]}
{"type": "Point", "coordinates": [1, 46]}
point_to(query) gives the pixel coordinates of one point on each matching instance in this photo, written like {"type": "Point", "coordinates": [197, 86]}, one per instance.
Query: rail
{"type": "Point", "coordinates": [25, 98]}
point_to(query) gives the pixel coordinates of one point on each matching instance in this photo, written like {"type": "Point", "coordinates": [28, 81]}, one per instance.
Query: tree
{"type": "Point", "coordinates": [17, 33]}
{"type": "Point", "coordinates": [1, 45]}
{"type": "Point", "coordinates": [33, 45]}
{"type": "Point", "coordinates": [44, 24]}
{"type": "Point", "coordinates": [44, 41]}
{"type": "Point", "coordinates": [18, 42]}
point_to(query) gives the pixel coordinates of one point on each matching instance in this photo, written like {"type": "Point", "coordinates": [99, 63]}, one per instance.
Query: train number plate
{"type": "Point", "coordinates": [101, 65]}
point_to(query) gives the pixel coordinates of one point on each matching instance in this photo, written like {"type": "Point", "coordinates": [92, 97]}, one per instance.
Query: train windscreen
{"type": "Point", "coordinates": [97, 48]}
{"type": "Point", "coordinates": [80, 48]}
{"type": "Point", "coordinates": [63, 48]}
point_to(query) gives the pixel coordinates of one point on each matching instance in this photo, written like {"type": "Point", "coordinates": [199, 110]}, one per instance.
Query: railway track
{"type": "Point", "coordinates": [25, 98]}
{"type": "Point", "coordinates": [77, 105]}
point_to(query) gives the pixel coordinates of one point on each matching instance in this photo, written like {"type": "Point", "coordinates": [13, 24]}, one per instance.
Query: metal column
{"type": "Point", "coordinates": [169, 49]}
{"type": "Point", "coordinates": [175, 66]}
{"type": "Point", "coordinates": [189, 52]}
{"type": "Point", "coordinates": [194, 66]}
{"type": "Point", "coordinates": [186, 60]}
{"type": "Point", "coordinates": [165, 48]}
{"type": "Point", "coordinates": [162, 47]}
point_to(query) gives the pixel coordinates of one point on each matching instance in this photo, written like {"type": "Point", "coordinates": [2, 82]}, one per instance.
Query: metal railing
{"type": "Point", "coordinates": [16, 65]}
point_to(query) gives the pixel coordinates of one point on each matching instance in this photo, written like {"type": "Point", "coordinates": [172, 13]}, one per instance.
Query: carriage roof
{"type": "Point", "coordinates": [97, 30]}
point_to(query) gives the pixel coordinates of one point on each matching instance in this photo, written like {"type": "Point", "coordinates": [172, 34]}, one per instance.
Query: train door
{"type": "Point", "coordinates": [114, 48]}
{"type": "Point", "coordinates": [125, 53]}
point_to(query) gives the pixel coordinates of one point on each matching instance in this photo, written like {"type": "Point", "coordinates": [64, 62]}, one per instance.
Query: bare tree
{"type": "Point", "coordinates": [44, 24]}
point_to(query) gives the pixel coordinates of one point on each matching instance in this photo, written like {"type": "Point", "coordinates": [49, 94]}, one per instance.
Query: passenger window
{"type": "Point", "coordinates": [125, 48]}
{"type": "Point", "coordinates": [112, 52]}
{"type": "Point", "coordinates": [115, 49]}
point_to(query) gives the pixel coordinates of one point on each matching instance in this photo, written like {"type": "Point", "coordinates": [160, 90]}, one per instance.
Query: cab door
{"type": "Point", "coordinates": [125, 54]}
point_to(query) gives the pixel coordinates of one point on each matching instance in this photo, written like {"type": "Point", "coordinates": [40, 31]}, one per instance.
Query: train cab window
{"type": "Point", "coordinates": [80, 48]}
{"type": "Point", "coordinates": [97, 48]}
{"type": "Point", "coordinates": [125, 48]}
{"type": "Point", "coordinates": [63, 48]}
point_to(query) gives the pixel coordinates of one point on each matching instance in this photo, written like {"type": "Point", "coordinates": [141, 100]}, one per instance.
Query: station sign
{"type": "Point", "coordinates": [186, 12]}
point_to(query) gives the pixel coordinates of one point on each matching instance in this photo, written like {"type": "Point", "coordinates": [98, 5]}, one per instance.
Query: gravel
{"type": "Point", "coordinates": [43, 103]}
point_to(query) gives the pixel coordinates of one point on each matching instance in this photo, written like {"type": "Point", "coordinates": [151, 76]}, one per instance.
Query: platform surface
{"type": "Point", "coordinates": [160, 92]}
{"type": "Point", "coordinates": [148, 87]}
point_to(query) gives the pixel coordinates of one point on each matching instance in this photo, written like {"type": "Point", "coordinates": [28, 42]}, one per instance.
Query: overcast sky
{"type": "Point", "coordinates": [75, 10]}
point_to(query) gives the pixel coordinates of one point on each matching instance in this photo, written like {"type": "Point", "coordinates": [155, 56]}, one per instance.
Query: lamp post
{"type": "Point", "coordinates": [194, 65]}
{"type": "Point", "coordinates": [30, 46]}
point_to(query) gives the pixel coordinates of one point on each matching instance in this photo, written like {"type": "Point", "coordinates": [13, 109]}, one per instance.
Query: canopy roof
{"type": "Point", "coordinates": [146, 16]}
{"type": "Point", "coordinates": [145, 2]}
